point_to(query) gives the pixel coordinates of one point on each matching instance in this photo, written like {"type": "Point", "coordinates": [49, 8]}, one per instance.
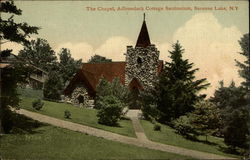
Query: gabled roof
{"type": "Point", "coordinates": [91, 73]}
{"type": "Point", "coordinates": [135, 84]}
{"type": "Point", "coordinates": [108, 70]}
{"type": "Point", "coordinates": [143, 38]}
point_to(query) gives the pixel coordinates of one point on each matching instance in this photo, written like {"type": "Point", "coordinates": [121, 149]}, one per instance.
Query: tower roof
{"type": "Point", "coordinates": [143, 38]}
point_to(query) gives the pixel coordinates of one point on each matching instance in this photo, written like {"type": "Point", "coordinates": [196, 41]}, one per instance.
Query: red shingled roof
{"type": "Point", "coordinates": [91, 73]}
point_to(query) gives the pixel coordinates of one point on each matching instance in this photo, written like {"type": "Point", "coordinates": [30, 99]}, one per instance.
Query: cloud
{"type": "Point", "coordinates": [81, 50]}
{"type": "Point", "coordinates": [164, 48]}
{"type": "Point", "coordinates": [114, 48]}
{"type": "Point", "coordinates": [11, 45]}
{"type": "Point", "coordinates": [212, 48]}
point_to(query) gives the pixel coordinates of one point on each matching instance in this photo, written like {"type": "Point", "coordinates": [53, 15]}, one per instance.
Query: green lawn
{"type": "Point", "coordinates": [78, 115]}
{"type": "Point", "coordinates": [167, 135]}
{"type": "Point", "coordinates": [47, 142]}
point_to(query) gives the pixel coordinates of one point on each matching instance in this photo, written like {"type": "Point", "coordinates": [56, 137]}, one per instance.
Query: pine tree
{"type": "Point", "coordinates": [179, 90]}
{"type": "Point", "coordinates": [245, 66]}
{"type": "Point", "coordinates": [234, 112]}
{"type": "Point", "coordinates": [11, 31]}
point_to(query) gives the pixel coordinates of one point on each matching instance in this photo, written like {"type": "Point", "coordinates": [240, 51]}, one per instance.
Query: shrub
{"type": "Point", "coordinates": [111, 110]}
{"type": "Point", "coordinates": [67, 114]}
{"type": "Point", "coordinates": [37, 104]}
{"type": "Point", "coordinates": [157, 127]}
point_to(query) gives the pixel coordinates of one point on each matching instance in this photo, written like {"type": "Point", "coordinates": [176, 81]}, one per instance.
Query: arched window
{"type": "Point", "coordinates": [139, 60]}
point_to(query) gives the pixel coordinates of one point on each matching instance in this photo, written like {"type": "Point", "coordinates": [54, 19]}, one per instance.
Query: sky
{"type": "Point", "coordinates": [208, 30]}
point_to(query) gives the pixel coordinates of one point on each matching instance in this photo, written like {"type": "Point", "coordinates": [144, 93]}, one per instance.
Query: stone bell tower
{"type": "Point", "coordinates": [142, 60]}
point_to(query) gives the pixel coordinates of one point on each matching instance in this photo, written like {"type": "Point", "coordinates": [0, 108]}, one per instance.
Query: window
{"type": "Point", "coordinates": [139, 60]}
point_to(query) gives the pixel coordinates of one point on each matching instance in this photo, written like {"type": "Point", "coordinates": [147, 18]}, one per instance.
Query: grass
{"type": "Point", "coordinates": [167, 135]}
{"type": "Point", "coordinates": [78, 115]}
{"type": "Point", "coordinates": [48, 143]}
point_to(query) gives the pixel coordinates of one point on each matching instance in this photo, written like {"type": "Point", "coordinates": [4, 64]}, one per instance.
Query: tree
{"type": "Point", "coordinates": [178, 89]}
{"type": "Point", "coordinates": [245, 66]}
{"type": "Point", "coordinates": [53, 87]}
{"type": "Point", "coordinates": [98, 59]}
{"type": "Point", "coordinates": [204, 120]}
{"type": "Point", "coordinates": [39, 53]}
{"type": "Point", "coordinates": [115, 88]}
{"type": "Point", "coordinates": [11, 31]}
{"type": "Point", "coordinates": [67, 65]}
{"type": "Point", "coordinates": [102, 89]}
{"type": "Point", "coordinates": [149, 103]}
{"type": "Point", "coordinates": [234, 110]}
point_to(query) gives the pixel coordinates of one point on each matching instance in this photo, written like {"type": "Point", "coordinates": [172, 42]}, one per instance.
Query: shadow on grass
{"type": "Point", "coordinates": [20, 124]}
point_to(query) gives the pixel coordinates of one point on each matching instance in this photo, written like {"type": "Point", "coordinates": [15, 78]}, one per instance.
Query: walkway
{"type": "Point", "coordinates": [141, 141]}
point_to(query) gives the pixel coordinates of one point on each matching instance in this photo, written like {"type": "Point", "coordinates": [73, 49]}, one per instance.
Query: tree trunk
{"type": "Point", "coordinates": [1, 127]}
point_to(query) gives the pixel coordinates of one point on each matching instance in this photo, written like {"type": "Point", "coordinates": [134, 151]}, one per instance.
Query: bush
{"type": "Point", "coordinates": [157, 127]}
{"type": "Point", "coordinates": [37, 104]}
{"type": "Point", "coordinates": [67, 114]}
{"type": "Point", "coordinates": [111, 110]}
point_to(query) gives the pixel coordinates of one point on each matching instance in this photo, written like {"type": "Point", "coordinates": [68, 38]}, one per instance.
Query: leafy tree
{"type": "Point", "coordinates": [67, 65]}
{"type": "Point", "coordinates": [39, 53]}
{"type": "Point", "coordinates": [110, 112]}
{"type": "Point", "coordinates": [53, 87]}
{"type": "Point", "coordinates": [98, 59]}
{"type": "Point", "coordinates": [178, 89]}
{"type": "Point", "coordinates": [115, 88]}
{"type": "Point", "coordinates": [11, 31]}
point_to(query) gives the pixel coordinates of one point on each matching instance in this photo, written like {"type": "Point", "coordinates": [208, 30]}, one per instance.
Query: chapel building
{"type": "Point", "coordinates": [138, 72]}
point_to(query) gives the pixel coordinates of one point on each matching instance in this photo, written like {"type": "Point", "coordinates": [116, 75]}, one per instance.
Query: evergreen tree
{"type": "Point", "coordinates": [234, 110]}
{"type": "Point", "coordinates": [204, 120]}
{"type": "Point", "coordinates": [245, 66]}
{"type": "Point", "coordinates": [179, 90]}
{"type": "Point", "coordinates": [11, 31]}
{"type": "Point", "coordinates": [53, 87]}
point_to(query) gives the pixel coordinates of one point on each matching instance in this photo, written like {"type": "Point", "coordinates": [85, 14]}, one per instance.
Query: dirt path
{"type": "Point", "coordinates": [141, 142]}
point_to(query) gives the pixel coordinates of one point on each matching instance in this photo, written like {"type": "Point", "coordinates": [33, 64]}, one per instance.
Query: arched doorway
{"type": "Point", "coordinates": [134, 99]}
{"type": "Point", "coordinates": [80, 99]}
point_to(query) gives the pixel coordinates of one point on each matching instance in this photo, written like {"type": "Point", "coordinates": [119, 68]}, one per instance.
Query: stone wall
{"type": "Point", "coordinates": [142, 63]}
{"type": "Point", "coordinates": [80, 92]}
